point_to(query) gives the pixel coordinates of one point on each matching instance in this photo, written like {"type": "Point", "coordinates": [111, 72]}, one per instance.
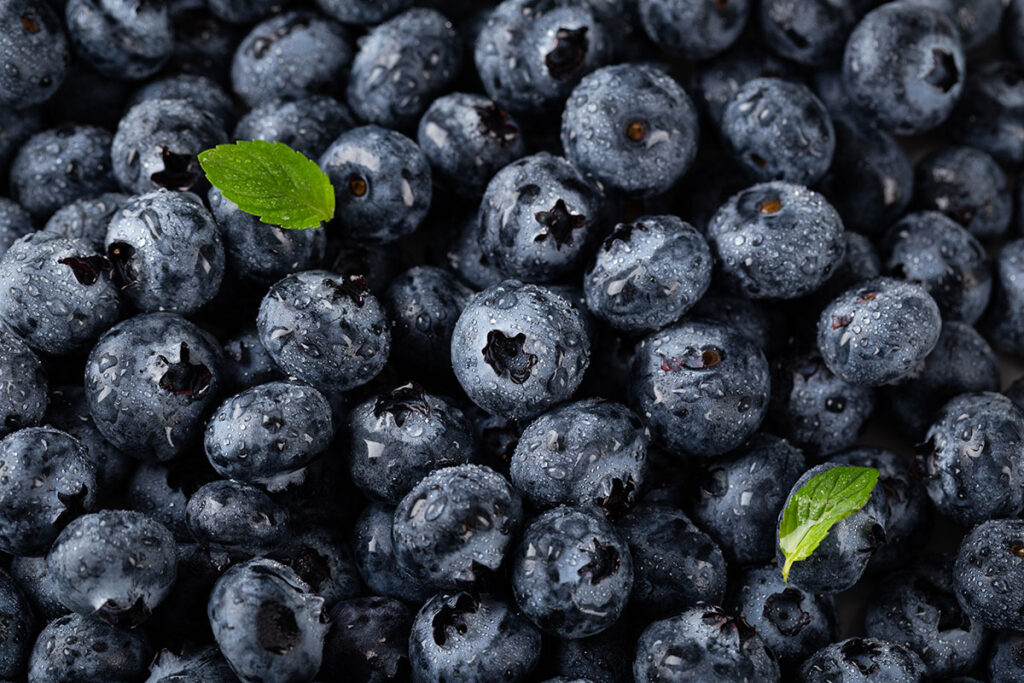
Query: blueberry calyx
{"type": "Point", "coordinates": [560, 224]}
{"type": "Point", "coordinates": [120, 255]}
{"type": "Point", "coordinates": [494, 123]}
{"type": "Point", "coordinates": [565, 60]}
{"type": "Point", "coordinates": [180, 171]}
{"type": "Point", "coordinates": [311, 566]}
{"type": "Point", "coordinates": [354, 287]}
{"type": "Point", "coordinates": [944, 73]}
{"type": "Point", "coordinates": [620, 495]}
{"type": "Point", "coordinates": [452, 616]}
{"type": "Point", "coordinates": [185, 378]}
{"type": "Point", "coordinates": [861, 653]}
{"type": "Point", "coordinates": [604, 562]}
{"type": "Point", "coordinates": [88, 269]}
{"type": "Point", "coordinates": [276, 628]}
{"type": "Point", "coordinates": [506, 353]}
{"type": "Point", "coordinates": [780, 609]}
{"type": "Point", "coordinates": [400, 402]}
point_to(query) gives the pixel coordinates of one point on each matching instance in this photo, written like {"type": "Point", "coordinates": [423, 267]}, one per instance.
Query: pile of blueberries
{"type": "Point", "coordinates": [607, 281]}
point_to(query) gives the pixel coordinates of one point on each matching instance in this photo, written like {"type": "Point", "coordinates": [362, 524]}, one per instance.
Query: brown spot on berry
{"type": "Point", "coordinates": [29, 24]}
{"type": "Point", "coordinates": [770, 206]}
{"type": "Point", "coordinates": [636, 131]}
{"type": "Point", "coordinates": [357, 186]}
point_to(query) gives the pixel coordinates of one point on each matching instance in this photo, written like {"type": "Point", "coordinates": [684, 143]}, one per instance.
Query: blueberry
{"type": "Point", "coordinates": [395, 76]}
{"type": "Point", "coordinates": [15, 223]}
{"type": "Point", "coordinates": [793, 624]}
{"type": "Point", "coordinates": [19, 627]}
{"type": "Point", "coordinates": [180, 621]}
{"type": "Point", "coordinates": [961, 362]}
{"type": "Point", "coordinates": [642, 136]}
{"type": "Point", "coordinates": [306, 124]}
{"type": "Point", "coordinates": [988, 567]}
{"type": "Point", "coordinates": [519, 349]}
{"type": "Point", "coordinates": [751, 318]}
{"type": "Point", "coordinates": [236, 521]}
{"type": "Point", "coordinates": [116, 564]}
{"type": "Point", "coordinates": [268, 431]}
{"type": "Point", "coordinates": [592, 451]}
{"type": "Point", "coordinates": [778, 130]}
{"type": "Point", "coordinates": [701, 387]}
{"type": "Point", "coordinates": [573, 573]}
{"type": "Point", "coordinates": [368, 641]}
{"type": "Point", "coordinates": [1003, 324]}
{"type": "Point", "coordinates": [16, 127]}
{"type": "Point", "coordinates": [200, 91]}
{"type": "Point", "coordinates": [810, 33]}
{"type": "Point", "coordinates": [466, 258]}
{"type": "Point", "coordinates": [1006, 659]}
{"type": "Point", "coordinates": [918, 610]}
{"type": "Point", "coordinates": [987, 114]}
{"type": "Point", "coordinates": [716, 81]}
{"type": "Point", "coordinates": [977, 20]}
{"type": "Point", "coordinates": [129, 39]}
{"type": "Point", "coordinates": [23, 396]}
{"type": "Point", "coordinates": [150, 381]}
{"type": "Point", "coordinates": [247, 362]}
{"type": "Point", "coordinates": [456, 525]}
{"type": "Point", "coordinates": [400, 436]}
{"type": "Point", "coordinates": [267, 623]}
{"type": "Point", "coordinates": [292, 54]}
{"type": "Point", "coordinates": [777, 240]}
{"type": "Point", "coordinates": [841, 558]}
{"type": "Point", "coordinates": [1013, 35]}
{"type": "Point", "coordinates": [34, 50]}
{"type": "Point", "coordinates": [904, 66]}
{"type": "Point", "coordinates": [375, 557]}
{"type": "Point", "coordinates": [472, 638]}
{"type": "Point", "coordinates": [693, 29]}
{"type": "Point", "coordinates": [864, 659]}
{"type": "Point", "coordinates": [530, 53]}
{"type": "Point", "coordinates": [604, 658]}
{"type": "Point", "coordinates": [740, 496]}
{"type": "Point", "coordinates": [157, 143]}
{"type": "Point", "coordinates": [973, 461]}
{"type": "Point", "coordinates": [878, 332]}
{"type": "Point", "coordinates": [86, 218]}
{"type": "Point", "coordinates": [203, 43]}
{"type": "Point", "coordinates": [59, 165]}
{"type": "Point", "coordinates": [538, 218]}
{"type": "Point", "coordinates": [369, 12]}
{"type": "Point", "coordinates": [162, 490]}
{"type": "Point", "coordinates": [675, 564]}
{"type": "Point", "coordinates": [930, 249]}
{"type": "Point", "coordinates": [243, 11]}
{"type": "Point", "coordinates": [323, 560]}
{"type": "Point", "coordinates": [81, 300]}
{"type": "Point", "coordinates": [88, 650]}
{"type": "Point", "coordinates": [36, 584]}
{"type": "Point", "coordinates": [381, 183]}
{"type": "Point", "coordinates": [325, 329]}
{"type": "Point", "coordinates": [967, 185]}
{"type": "Point", "coordinates": [203, 666]}
{"type": "Point", "coordinates": [703, 644]}
{"type": "Point", "coordinates": [468, 138]}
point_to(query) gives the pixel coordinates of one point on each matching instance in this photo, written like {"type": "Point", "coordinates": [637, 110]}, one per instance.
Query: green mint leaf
{"type": "Point", "coordinates": [826, 499]}
{"type": "Point", "coordinates": [272, 181]}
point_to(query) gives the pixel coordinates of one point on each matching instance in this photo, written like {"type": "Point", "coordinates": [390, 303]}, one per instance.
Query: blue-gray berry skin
{"type": "Point", "coordinates": [988, 569]}
{"type": "Point", "coordinates": [989, 110]}
{"type": "Point", "coordinates": [468, 138]}
{"type": "Point", "coordinates": [530, 53]}
{"type": "Point", "coordinates": [813, 408]}
{"type": "Point", "coordinates": [777, 240]}
{"type": "Point", "coordinates": [606, 657]}
{"type": "Point", "coordinates": [246, 361]}
{"type": "Point", "coordinates": [967, 185]}
{"type": "Point", "coordinates": [267, 623]}
{"type": "Point", "coordinates": [116, 564]}
{"type": "Point", "coordinates": [88, 649]}
{"type": "Point", "coordinates": [917, 609]}
{"type": "Point", "coordinates": [466, 258]}
{"type": "Point", "coordinates": [35, 48]}
{"type": "Point", "coordinates": [198, 90]}
{"type": "Point", "coordinates": [703, 644]}
{"type": "Point", "coordinates": [961, 362]}
{"type": "Point", "coordinates": [394, 78]}
{"type": "Point", "coordinates": [751, 318]}
{"type": "Point", "coordinates": [648, 273]}
{"type": "Point", "coordinates": [400, 436]}
{"type": "Point", "coordinates": [236, 521]}
{"type": "Point", "coordinates": [368, 640]}
{"type": "Point", "coordinates": [904, 67]}
{"type": "Point", "coordinates": [716, 81]}
{"type": "Point", "coordinates": [267, 431]}
{"type": "Point", "coordinates": [675, 564]}
{"type": "Point", "coordinates": [374, 554]}
{"type": "Point", "coordinates": [863, 659]}
{"type": "Point", "coordinates": [381, 183]}
{"type": "Point", "coordinates": [167, 251]}
{"type": "Point", "coordinates": [15, 223]}
{"type": "Point", "coordinates": [457, 525]}
{"type": "Point", "coordinates": [693, 29]}
{"type": "Point", "coordinates": [793, 624]}
{"type": "Point", "coordinates": [840, 560]}
{"type": "Point", "coordinates": [128, 39]}
{"type": "Point", "coordinates": [632, 127]}
{"type": "Point", "coordinates": [150, 381]}
{"type": "Point", "coordinates": [519, 349]}
{"type": "Point", "coordinates": [538, 218]}
{"type": "Point", "coordinates": [809, 33]}
{"type": "Point", "coordinates": [204, 666]}
{"type": "Point", "coordinates": [740, 495]}
{"type": "Point", "coordinates": [36, 584]}
{"type": "Point", "coordinates": [473, 638]}
{"type": "Point", "coordinates": [162, 490]}
{"type": "Point", "coordinates": [779, 130]}
{"type": "Point", "coordinates": [16, 126]}
{"type": "Point", "coordinates": [242, 11]}
{"type": "Point", "coordinates": [878, 332]}
{"type": "Point", "coordinates": [323, 560]}
{"type": "Point", "coordinates": [86, 218]}
{"type": "Point", "coordinates": [1003, 323]}
{"type": "Point", "coordinates": [701, 387]}
{"type": "Point", "coordinates": [325, 329]}
{"type": "Point", "coordinates": [973, 461]}
{"type": "Point", "coordinates": [307, 124]}
{"type": "Point", "coordinates": [23, 394]}
{"type": "Point", "coordinates": [59, 165]}
{"type": "Point", "coordinates": [157, 143]}
{"type": "Point", "coordinates": [977, 20]}
{"type": "Point", "coordinates": [1006, 658]}
{"type": "Point", "coordinates": [80, 300]}
{"type": "Point", "coordinates": [46, 480]}
{"type": "Point", "coordinates": [860, 262]}
{"type": "Point", "coordinates": [590, 452]}
{"type": "Point", "coordinates": [573, 572]}
{"type": "Point", "coordinates": [366, 12]}
{"type": "Point", "coordinates": [292, 54]}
